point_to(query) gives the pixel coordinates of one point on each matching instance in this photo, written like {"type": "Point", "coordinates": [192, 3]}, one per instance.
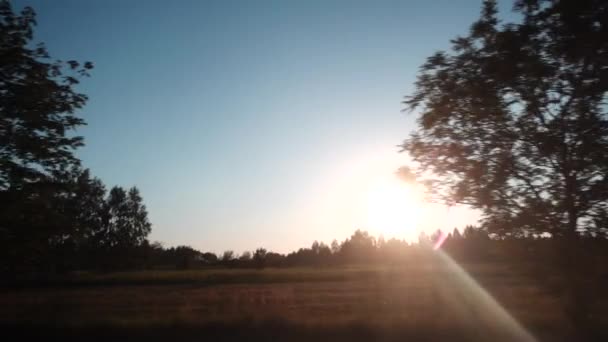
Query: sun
{"type": "Point", "coordinates": [394, 208]}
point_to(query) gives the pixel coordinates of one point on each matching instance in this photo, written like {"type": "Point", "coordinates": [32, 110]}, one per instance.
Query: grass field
{"type": "Point", "coordinates": [424, 301]}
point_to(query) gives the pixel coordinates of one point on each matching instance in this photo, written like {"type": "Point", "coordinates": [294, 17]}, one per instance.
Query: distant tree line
{"type": "Point", "coordinates": [474, 244]}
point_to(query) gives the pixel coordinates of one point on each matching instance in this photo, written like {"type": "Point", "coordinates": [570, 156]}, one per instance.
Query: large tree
{"type": "Point", "coordinates": [514, 119]}
{"type": "Point", "coordinates": [51, 210]}
{"type": "Point", "coordinates": [38, 105]}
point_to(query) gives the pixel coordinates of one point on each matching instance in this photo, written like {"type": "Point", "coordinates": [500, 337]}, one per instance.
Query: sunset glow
{"type": "Point", "coordinates": [395, 208]}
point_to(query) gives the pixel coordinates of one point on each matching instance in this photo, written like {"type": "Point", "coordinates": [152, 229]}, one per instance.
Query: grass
{"type": "Point", "coordinates": [222, 276]}
{"type": "Point", "coordinates": [420, 301]}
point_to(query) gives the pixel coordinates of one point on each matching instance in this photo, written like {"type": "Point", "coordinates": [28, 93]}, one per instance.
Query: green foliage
{"type": "Point", "coordinates": [514, 119]}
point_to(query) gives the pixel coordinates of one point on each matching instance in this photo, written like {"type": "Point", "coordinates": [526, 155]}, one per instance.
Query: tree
{"type": "Point", "coordinates": [244, 260]}
{"type": "Point", "coordinates": [245, 256]}
{"type": "Point", "coordinates": [436, 236]}
{"type": "Point", "coordinates": [335, 247]}
{"type": "Point", "coordinates": [259, 257]}
{"type": "Point", "coordinates": [273, 259]}
{"type": "Point", "coordinates": [79, 205]}
{"type": "Point", "coordinates": [120, 241]}
{"type": "Point", "coordinates": [86, 205]}
{"type": "Point", "coordinates": [227, 256]}
{"type": "Point", "coordinates": [209, 258]}
{"type": "Point", "coordinates": [456, 236]}
{"type": "Point", "coordinates": [514, 119]}
{"type": "Point", "coordinates": [184, 257]}
{"type": "Point", "coordinates": [360, 247]}
{"type": "Point", "coordinates": [38, 105]}
{"type": "Point", "coordinates": [126, 222]}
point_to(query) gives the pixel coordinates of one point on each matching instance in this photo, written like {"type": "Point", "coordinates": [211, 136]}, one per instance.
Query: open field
{"type": "Point", "coordinates": [428, 301]}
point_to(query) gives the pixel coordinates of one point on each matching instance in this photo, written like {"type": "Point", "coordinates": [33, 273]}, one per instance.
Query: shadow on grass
{"type": "Point", "coordinates": [269, 330]}
{"type": "Point", "coordinates": [199, 278]}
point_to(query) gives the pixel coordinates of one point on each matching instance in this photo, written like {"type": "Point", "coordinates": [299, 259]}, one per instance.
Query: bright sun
{"type": "Point", "coordinates": [394, 208]}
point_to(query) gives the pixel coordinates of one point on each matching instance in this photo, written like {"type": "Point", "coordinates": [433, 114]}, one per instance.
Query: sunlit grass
{"type": "Point", "coordinates": [425, 295]}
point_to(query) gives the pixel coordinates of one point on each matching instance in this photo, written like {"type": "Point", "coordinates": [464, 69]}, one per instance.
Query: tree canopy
{"type": "Point", "coordinates": [37, 105]}
{"type": "Point", "coordinates": [513, 120]}
{"type": "Point", "coordinates": [51, 210]}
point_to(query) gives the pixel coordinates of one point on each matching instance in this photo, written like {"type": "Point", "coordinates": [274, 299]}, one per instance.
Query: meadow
{"type": "Point", "coordinates": [425, 300]}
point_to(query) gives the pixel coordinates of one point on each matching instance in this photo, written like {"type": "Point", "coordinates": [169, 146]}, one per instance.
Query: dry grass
{"type": "Point", "coordinates": [416, 301]}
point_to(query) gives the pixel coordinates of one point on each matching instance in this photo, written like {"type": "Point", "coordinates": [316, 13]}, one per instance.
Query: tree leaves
{"type": "Point", "coordinates": [48, 204]}
{"type": "Point", "coordinates": [37, 104]}
{"type": "Point", "coordinates": [513, 120]}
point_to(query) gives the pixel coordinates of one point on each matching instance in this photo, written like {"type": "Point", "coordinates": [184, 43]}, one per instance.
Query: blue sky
{"type": "Point", "coordinates": [250, 123]}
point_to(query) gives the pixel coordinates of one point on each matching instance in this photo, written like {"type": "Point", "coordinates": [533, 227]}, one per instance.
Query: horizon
{"type": "Point", "coordinates": [341, 170]}
{"type": "Point", "coordinates": [249, 126]}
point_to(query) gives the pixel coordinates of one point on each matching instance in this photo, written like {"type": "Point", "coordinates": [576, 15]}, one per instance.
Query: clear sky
{"type": "Point", "coordinates": [252, 123]}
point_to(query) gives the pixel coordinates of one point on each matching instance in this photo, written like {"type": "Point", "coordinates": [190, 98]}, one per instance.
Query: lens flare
{"type": "Point", "coordinates": [440, 240]}
{"type": "Point", "coordinates": [466, 293]}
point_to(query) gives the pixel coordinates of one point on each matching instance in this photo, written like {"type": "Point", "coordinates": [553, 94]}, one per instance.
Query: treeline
{"type": "Point", "coordinates": [73, 223]}
{"type": "Point", "coordinates": [472, 245]}
{"type": "Point", "coordinates": [54, 216]}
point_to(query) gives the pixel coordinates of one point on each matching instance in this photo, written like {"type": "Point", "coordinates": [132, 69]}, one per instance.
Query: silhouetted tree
{"type": "Point", "coordinates": [456, 234]}
{"type": "Point", "coordinates": [246, 255]}
{"type": "Point", "coordinates": [323, 251]}
{"type": "Point", "coordinates": [360, 247]}
{"type": "Point", "coordinates": [227, 256]}
{"type": "Point", "coordinates": [38, 105]}
{"type": "Point", "coordinates": [123, 231]}
{"type": "Point", "coordinates": [87, 205]}
{"type": "Point", "coordinates": [81, 204]}
{"type": "Point", "coordinates": [274, 259]}
{"type": "Point", "coordinates": [315, 247]}
{"type": "Point", "coordinates": [209, 258]}
{"type": "Point", "coordinates": [436, 236]}
{"type": "Point", "coordinates": [185, 257]}
{"type": "Point", "coordinates": [471, 232]}
{"type": "Point", "coordinates": [37, 114]}
{"type": "Point", "coordinates": [394, 250]}
{"type": "Point", "coordinates": [259, 257]}
{"type": "Point", "coordinates": [154, 254]}
{"type": "Point", "coordinates": [335, 247]}
{"type": "Point", "coordinates": [514, 122]}
{"type": "Point", "coordinates": [126, 219]}
{"type": "Point", "coordinates": [514, 119]}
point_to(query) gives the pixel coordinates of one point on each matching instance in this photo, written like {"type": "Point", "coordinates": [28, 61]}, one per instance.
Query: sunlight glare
{"type": "Point", "coordinates": [394, 208]}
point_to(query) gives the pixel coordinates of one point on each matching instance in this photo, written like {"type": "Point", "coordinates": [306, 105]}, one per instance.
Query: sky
{"type": "Point", "coordinates": [252, 124]}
